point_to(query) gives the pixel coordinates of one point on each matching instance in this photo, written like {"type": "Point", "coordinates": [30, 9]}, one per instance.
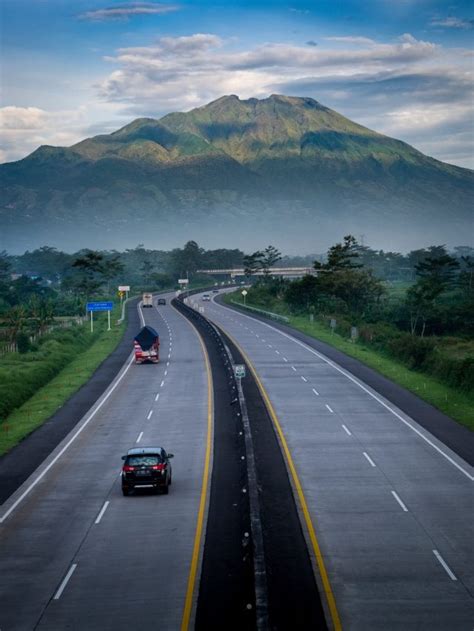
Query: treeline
{"type": "Point", "coordinates": [428, 324]}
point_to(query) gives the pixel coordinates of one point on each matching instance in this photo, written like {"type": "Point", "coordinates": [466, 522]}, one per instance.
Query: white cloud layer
{"type": "Point", "coordinates": [128, 10]}
{"type": "Point", "coordinates": [453, 22]}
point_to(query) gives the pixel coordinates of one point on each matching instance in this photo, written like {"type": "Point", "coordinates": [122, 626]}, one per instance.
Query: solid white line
{"type": "Point", "coordinates": [332, 411]}
{"type": "Point", "coordinates": [371, 394]}
{"type": "Point", "coordinates": [57, 595]}
{"type": "Point", "coordinates": [346, 430]}
{"type": "Point", "coordinates": [149, 415]}
{"type": "Point", "coordinates": [67, 445]}
{"type": "Point", "coordinates": [139, 437]}
{"type": "Point", "coordinates": [372, 463]}
{"type": "Point", "coordinates": [304, 379]}
{"type": "Point", "coordinates": [293, 368]}
{"type": "Point", "coordinates": [102, 511]}
{"type": "Point", "coordinates": [162, 384]}
{"type": "Point", "coordinates": [315, 392]}
{"type": "Point", "coordinates": [400, 501]}
{"type": "Point", "coordinates": [157, 396]}
{"type": "Point", "coordinates": [450, 573]}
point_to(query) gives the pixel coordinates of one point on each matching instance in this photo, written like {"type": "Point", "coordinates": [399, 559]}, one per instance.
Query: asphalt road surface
{"type": "Point", "coordinates": [75, 553]}
{"type": "Point", "coordinates": [391, 505]}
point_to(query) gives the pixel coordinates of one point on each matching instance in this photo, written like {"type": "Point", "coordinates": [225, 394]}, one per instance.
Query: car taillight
{"type": "Point", "coordinates": [158, 467]}
{"type": "Point", "coordinates": [128, 467]}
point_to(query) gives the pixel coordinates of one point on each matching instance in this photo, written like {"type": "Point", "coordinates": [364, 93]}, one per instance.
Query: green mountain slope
{"type": "Point", "coordinates": [238, 172]}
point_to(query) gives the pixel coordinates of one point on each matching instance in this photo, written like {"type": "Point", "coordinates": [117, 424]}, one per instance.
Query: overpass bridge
{"type": "Point", "coordinates": [287, 272]}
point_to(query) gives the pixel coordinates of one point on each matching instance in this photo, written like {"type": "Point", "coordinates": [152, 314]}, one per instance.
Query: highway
{"type": "Point", "coordinates": [391, 506]}
{"type": "Point", "coordinates": [75, 553]}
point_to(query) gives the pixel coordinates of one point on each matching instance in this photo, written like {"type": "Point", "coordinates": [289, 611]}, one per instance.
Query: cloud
{"type": "Point", "coordinates": [453, 22]}
{"type": "Point", "coordinates": [125, 11]}
{"type": "Point", "coordinates": [362, 41]}
{"type": "Point", "coordinates": [23, 129]}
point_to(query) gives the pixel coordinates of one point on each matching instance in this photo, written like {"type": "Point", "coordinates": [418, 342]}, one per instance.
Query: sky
{"type": "Point", "coordinates": [73, 69]}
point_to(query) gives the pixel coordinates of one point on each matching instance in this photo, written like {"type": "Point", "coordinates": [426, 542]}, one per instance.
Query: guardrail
{"type": "Point", "coordinates": [269, 314]}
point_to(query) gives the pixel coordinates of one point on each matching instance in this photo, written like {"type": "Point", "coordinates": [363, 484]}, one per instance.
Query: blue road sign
{"type": "Point", "coordinates": [100, 306]}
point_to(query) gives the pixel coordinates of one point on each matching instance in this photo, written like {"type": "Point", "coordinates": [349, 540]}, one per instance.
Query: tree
{"type": "Point", "coordinates": [146, 269]}
{"type": "Point", "coordinates": [185, 262]}
{"type": "Point", "coordinates": [436, 273]}
{"type": "Point", "coordinates": [466, 276]}
{"type": "Point", "coordinates": [253, 262]}
{"type": "Point", "coordinates": [110, 269]}
{"type": "Point", "coordinates": [42, 312]}
{"type": "Point", "coordinates": [5, 267]}
{"type": "Point", "coordinates": [270, 256]}
{"type": "Point", "coordinates": [15, 320]}
{"type": "Point", "coordinates": [342, 255]}
{"type": "Point", "coordinates": [341, 278]}
{"type": "Point", "coordinates": [90, 266]}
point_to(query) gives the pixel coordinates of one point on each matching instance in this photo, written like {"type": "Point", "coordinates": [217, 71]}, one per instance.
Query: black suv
{"type": "Point", "coordinates": [161, 301]}
{"type": "Point", "coordinates": [146, 467]}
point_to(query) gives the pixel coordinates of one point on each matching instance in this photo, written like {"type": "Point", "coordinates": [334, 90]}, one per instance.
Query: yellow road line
{"type": "Point", "coordinates": [188, 603]}
{"type": "Point", "coordinates": [331, 603]}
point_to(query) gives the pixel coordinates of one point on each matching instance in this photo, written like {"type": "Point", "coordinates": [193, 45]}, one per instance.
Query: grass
{"type": "Point", "coordinates": [456, 404]}
{"type": "Point", "coordinates": [48, 399]}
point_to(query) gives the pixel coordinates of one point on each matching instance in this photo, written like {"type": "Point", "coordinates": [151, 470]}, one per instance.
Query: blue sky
{"type": "Point", "coordinates": [71, 69]}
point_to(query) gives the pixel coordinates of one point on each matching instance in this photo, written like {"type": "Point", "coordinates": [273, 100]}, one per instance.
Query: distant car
{"type": "Point", "coordinates": [146, 467]}
{"type": "Point", "coordinates": [147, 301]}
{"type": "Point", "coordinates": [206, 297]}
{"type": "Point", "coordinates": [161, 301]}
{"type": "Point", "coordinates": [215, 291]}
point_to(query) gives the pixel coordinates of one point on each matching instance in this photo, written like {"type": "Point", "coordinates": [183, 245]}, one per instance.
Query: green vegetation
{"type": "Point", "coordinates": [419, 334]}
{"type": "Point", "coordinates": [34, 386]}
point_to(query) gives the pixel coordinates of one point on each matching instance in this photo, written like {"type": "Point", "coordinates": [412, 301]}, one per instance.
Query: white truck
{"type": "Point", "coordinates": [147, 300]}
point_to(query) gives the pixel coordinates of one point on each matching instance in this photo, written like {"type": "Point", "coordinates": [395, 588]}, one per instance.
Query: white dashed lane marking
{"type": "Point", "coordinates": [369, 459]}
{"type": "Point", "coordinates": [400, 502]}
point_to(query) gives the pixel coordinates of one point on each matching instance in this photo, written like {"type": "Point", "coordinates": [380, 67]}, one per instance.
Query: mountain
{"type": "Point", "coordinates": [239, 173]}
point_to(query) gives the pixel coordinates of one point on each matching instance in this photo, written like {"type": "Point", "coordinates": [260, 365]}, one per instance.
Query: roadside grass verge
{"type": "Point", "coordinates": [46, 400]}
{"type": "Point", "coordinates": [458, 405]}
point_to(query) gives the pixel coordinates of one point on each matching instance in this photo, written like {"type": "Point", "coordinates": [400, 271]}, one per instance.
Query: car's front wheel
{"type": "Point", "coordinates": [125, 491]}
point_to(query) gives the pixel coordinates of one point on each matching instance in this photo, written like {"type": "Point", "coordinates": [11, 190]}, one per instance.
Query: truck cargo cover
{"type": "Point", "coordinates": [146, 337]}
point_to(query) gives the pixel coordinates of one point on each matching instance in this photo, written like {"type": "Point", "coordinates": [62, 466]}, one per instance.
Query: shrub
{"type": "Point", "coordinates": [22, 375]}
{"type": "Point", "coordinates": [413, 351]}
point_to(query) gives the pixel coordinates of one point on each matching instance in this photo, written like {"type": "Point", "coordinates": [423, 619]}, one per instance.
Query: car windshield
{"type": "Point", "coordinates": [147, 460]}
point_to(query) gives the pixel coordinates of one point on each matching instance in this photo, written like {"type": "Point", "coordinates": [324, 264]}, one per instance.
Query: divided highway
{"type": "Point", "coordinates": [75, 553]}
{"type": "Point", "coordinates": [392, 507]}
